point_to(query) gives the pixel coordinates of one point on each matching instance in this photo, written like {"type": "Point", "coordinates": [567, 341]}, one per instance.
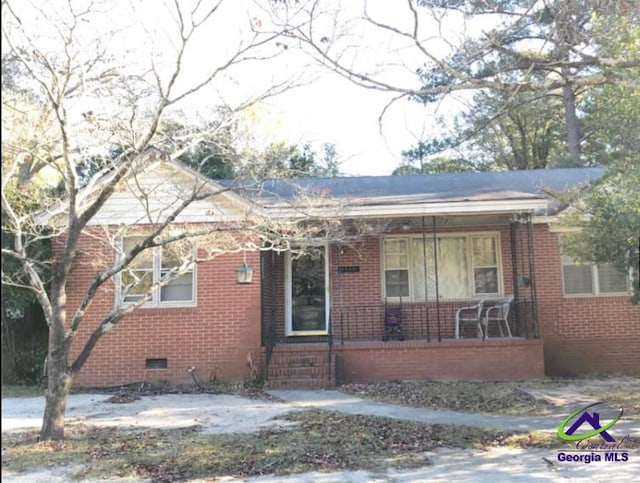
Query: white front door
{"type": "Point", "coordinates": [307, 304]}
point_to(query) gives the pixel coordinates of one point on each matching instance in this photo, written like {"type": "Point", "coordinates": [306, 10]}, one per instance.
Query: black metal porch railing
{"type": "Point", "coordinates": [420, 321]}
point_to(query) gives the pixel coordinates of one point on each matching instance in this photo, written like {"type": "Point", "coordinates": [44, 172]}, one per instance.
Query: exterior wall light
{"type": "Point", "coordinates": [245, 273]}
{"type": "Point", "coordinates": [524, 281]}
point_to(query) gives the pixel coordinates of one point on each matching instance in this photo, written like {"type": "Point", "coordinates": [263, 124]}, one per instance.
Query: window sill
{"type": "Point", "coordinates": [164, 305]}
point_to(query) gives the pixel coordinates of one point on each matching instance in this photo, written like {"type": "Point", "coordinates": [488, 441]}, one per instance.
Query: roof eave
{"type": "Point", "coordinates": [416, 209]}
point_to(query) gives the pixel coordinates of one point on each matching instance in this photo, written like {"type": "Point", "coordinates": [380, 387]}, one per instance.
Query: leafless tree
{"type": "Point", "coordinates": [92, 81]}
{"type": "Point", "coordinates": [451, 46]}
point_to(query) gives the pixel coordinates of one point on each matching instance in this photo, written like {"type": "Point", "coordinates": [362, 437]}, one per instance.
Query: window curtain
{"type": "Point", "coordinates": [453, 272]}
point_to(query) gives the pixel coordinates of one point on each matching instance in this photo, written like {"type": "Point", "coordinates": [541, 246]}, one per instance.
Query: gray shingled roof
{"type": "Point", "coordinates": [434, 188]}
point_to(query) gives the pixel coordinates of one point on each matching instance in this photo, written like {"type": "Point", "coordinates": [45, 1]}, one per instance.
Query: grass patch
{"type": "Point", "coordinates": [248, 388]}
{"type": "Point", "coordinates": [487, 397]}
{"type": "Point", "coordinates": [321, 441]}
{"type": "Point", "coordinates": [21, 391]}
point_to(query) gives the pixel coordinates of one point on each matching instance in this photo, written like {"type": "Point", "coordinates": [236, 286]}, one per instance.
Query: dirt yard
{"type": "Point", "coordinates": [205, 437]}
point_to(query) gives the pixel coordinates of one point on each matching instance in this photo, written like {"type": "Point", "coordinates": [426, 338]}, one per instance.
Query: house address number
{"type": "Point", "coordinates": [350, 269]}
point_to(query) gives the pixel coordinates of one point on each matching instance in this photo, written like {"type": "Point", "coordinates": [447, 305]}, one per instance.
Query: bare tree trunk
{"type": "Point", "coordinates": [572, 121]}
{"type": "Point", "coordinates": [59, 385]}
{"type": "Point", "coordinates": [59, 377]}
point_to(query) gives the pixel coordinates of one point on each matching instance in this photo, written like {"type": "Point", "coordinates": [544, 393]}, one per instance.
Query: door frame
{"type": "Point", "coordinates": [288, 296]}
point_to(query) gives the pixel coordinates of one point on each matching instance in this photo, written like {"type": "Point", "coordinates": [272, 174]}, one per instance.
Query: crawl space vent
{"type": "Point", "coordinates": [156, 363]}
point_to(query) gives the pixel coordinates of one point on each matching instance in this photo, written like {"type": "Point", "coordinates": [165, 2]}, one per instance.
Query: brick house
{"type": "Point", "coordinates": [454, 276]}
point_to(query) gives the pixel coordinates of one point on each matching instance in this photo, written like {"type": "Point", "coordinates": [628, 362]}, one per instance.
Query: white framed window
{"type": "Point", "coordinates": [149, 268]}
{"type": "Point", "coordinates": [485, 265]}
{"type": "Point", "coordinates": [396, 267]}
{"type": "Point", "coordinates": [592, 279]}
{"type": "Point", "coordinates": [468, 266]}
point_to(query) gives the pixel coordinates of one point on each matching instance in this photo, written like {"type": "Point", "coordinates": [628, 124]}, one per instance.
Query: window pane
{"type": "Point", "coordinates": [484, 251]}
{"type": "Point", "coordinates": [396, 261]}
{"type": "Point", "coordinates": [453, 272]}
{"type": "Point", "coordinates": [578, 279]}
{"type": "Point", "coordinates": [144, 259]}
{"type": "Point", "coordinates": [485, 280]}
{"type": "Point", "coordinates": [417, 269]}
{"type": "Point", "coordinates": [395, 246]}
{"type": "Point", "coordinates": [395, 254]}
{"type": "Point", "coordinates": [397, 283]}
{"type": "Point", "coordinates": [453, 276]}
{"type": "Point", "coordinates": [180, 289]}
{"type": "Point", "coordinates": [136, 284]}
{"type": "Point", "coordinates": [611, 281]}
{"type": "Point", "coordinates": [171, 257]}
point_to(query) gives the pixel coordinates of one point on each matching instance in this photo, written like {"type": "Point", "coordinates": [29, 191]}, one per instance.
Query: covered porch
{"type": "Point", "coordinates": [388, 306]}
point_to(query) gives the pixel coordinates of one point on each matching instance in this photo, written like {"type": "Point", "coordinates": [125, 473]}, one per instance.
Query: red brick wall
{"type": "Point", "coordinates": [582, 334]}
{"type": "Point", "coordinates": [491, 360]}
{"type": "Point", "coordinates": [216, 336]}
{"type": "Point", "coordinates": [360, 288]}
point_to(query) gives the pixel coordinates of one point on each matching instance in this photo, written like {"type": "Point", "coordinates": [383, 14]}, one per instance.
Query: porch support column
{"type": "Point", "coordinates": [426, 282]}
{"type": "Point", "coordinates": [534, 295]}
{"type": "Point", "coordinates": [513, 227]}
{"type": "Point", "coordinates": [330, 322]}
{"type": "Point", "coordinates": [523, 266]}
{"type": "Point", "coordinates": [435, 266]}
{"type": "Point", "coordinates": [268, 328]}
{"type": "Point", "coordinates": [272, 323]}
{"type": "Point", "coordinates": [340, 277]}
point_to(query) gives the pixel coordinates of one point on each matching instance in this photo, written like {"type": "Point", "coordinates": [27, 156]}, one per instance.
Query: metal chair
{"type": "Point", "coordinates": [470, 315]}
{"type": "Point", "coordinates": [392, 322]}
{"type": "Point", "coordinates": [499, 313]}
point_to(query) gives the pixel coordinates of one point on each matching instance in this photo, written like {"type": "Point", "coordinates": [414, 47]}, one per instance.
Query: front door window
{"type": "Point", "coordinates": [307, 292]}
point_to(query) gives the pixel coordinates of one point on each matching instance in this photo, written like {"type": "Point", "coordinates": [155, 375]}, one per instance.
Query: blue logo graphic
{"type": "Point", "coordinates": [593, 419]}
